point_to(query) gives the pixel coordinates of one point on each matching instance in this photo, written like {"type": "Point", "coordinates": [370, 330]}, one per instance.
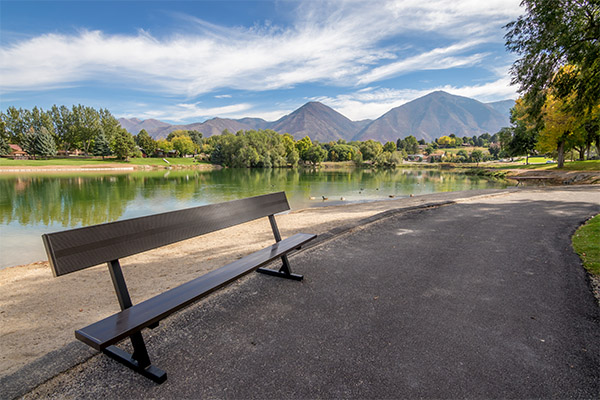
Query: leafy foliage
{"type": "Point", "coordinates": [146, 143]}
{"type": "Point", "coordinates": [183, 145]}
{"type": "Point", "coordinates": [251, 149]}
{"type": "Point", "coordinates": [102, 146]}
{"type": "Point", "coordinates": [550, 35]}
{"type": "Point", "coordinates": [315, 154]}
{"type": "Point", "coordinates": [122, 144]}
{"type": "Point", "coordinates": [370, 149]}
{"type": "Point", "coordinates": [44, 145]}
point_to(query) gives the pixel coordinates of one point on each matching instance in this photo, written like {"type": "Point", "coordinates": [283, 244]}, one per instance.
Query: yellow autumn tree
{"type": "Point", "coordinates": [560, 128]}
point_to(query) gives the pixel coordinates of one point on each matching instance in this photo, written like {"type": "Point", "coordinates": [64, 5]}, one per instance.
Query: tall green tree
{"type": "Point", "coordinates": [28, 142]}
{"type": "Point", "coordinates": [550, 35]}
{"type": "Point", "coordinates": [183, 145]}
{"type": "Point", "coordinates": [411, 145]}
{"type": "Point", "coordinates": [146, 142]}
{"type": "Point", "coordinates": [63, 121]}
{"type": "Point", "coordinates": [524, 132]}
{"type": "Point", "coordinates": [122, 144]}
{"type": "Point", "coordinates": [102, 146]}
{"type": "Point", "coordinates": [4, 145]}
{"type": "Point", "coordinates": [86, 126]}
{"type": "Point", "coordinates": [302, 146]}
{"type": "Point", "coordinates": [15, 125]}
{"type": "Point", "coordinates": [315, 154]}
{"type": "Point", "coordinates": [44, 144]}
{"type": "Point", "coordinates": [477, 156]}
{"type": "Point", "coordinates": [390, 147]}
{"type": "Point", "coordinates": [196, 137]}
{"type": "Point", "coordinates": [344, 152]}
{"type": "Point", "coordinates": [109, 125]}
{"type": "Point", "coordinates": [370, 149]}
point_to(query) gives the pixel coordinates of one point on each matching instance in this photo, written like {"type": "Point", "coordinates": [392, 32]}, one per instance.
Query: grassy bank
{"type": "Point", "coordinates": [99, 162]}
{"type": "Point", "coordinates": [586, 242]}
{"type": "Point", "coordinates": [496, 174]}
{"type": "Point", "coordinates": [589, 165]}
{"type": "Point", "coordinates": [538, 164]}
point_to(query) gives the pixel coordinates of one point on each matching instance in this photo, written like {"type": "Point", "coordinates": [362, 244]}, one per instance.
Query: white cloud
{"type": "Point", "coordinates": [331, 42]}
{"type": "Point", "coordinates": [440, 58]}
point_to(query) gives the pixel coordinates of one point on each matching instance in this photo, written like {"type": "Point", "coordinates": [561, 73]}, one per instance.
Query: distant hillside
{"type": "Point", "coordinates": [257, 123]}
{"type": "Point", "coordinates": [214, 126]}
{"type": "Point", "coordinates": [134, 125]}
{"type": "Point", "coordinates": [503, 106]}
{"type": "Point", "coordinates": [211, 127]}
{"type": "Point", "coordinates": [317, 121]}
{"type": "Point", "coordinates": [434, 115]}
{"type": "Point", "coordinates": [428, 117]}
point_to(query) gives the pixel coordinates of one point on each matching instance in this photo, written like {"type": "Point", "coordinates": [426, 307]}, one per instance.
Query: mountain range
{"type": "Point", "coordinates": [428, 117]}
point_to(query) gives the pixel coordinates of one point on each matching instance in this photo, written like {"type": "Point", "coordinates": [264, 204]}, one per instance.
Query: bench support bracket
{"type": "Point", "coordinates": [280, 273]}
{"type": "Point", "coordinates": [285, 271]}
{"type": "Point", "coordinates": [139, 361]}
{"type": "Point", "coordinates": [150, 372]}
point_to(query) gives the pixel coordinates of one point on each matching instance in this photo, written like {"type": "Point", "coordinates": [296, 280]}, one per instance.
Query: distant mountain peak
{"type": "Point", "coordinates": [428, 118]}
{"type": "Point", "coordinates": [433, 115]}
{"type": "Point", "coordinates": [318, 121]}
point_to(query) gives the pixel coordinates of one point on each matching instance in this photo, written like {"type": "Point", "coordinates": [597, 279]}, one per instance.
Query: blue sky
{"type": "Point", "coordinates": [189, 61]}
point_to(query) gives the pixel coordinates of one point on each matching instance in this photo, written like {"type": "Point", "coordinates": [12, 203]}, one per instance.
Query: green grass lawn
{"type": "Point", "coordinates": [469, 150]}
{"type": "Point", "coordinates": [535, 160]}
{"type": "Point", "coordinates": [95, 161]}
{"type": "Point", "coordinates": [589, 165]}
{"type": "Point", "coordinates": [159, 161]}
{"type": "Point", "coordinates": [586, 242]}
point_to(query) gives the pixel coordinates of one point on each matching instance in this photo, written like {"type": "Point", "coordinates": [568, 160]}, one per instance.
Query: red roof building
{"type": "Point", "coordinates": [17, 152]}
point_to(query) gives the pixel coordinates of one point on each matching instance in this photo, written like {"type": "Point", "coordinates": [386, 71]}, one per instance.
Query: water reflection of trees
{"type": "Point", "coordinates": [91, 199]}
{"type": "Point", "coordinates": [69, 201]}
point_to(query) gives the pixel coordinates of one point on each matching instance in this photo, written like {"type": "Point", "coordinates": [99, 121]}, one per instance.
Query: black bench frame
{"type": "Point", "coordinates": [77, 249]}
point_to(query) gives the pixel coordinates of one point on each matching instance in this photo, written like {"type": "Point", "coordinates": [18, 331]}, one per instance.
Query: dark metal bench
{"type": "Point", "coordinates": [77, 249]}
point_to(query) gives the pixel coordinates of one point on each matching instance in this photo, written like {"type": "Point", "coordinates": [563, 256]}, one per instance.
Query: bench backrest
{"type": "Point", "coordinates": [76, 249]}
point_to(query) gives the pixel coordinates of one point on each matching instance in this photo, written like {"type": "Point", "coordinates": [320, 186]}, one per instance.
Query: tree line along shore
{"type": "Point", "coordinates": [85, 133]}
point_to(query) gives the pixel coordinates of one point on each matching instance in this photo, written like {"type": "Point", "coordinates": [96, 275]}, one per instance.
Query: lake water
{"type": "Point", "coordinates": [32, 204]}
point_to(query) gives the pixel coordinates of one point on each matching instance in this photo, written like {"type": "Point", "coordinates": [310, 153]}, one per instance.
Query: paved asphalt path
{"type": "Point", "coordinates": [481, 299]}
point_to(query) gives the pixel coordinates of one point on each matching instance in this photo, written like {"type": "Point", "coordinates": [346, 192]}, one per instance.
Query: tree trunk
{"type": "Point", "coordinates": [561, 153]}
{"type": "Point", "coordinates": [581, 151]}
{"type": "Point", "coordinates": [527, 159]}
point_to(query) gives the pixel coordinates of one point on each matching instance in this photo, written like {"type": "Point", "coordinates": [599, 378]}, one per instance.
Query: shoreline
{"type": "Point", "coordinates": [102, 168]}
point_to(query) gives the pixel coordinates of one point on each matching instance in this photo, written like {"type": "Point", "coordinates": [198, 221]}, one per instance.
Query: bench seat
{"type": "Point", "coordinates": [116, 327]}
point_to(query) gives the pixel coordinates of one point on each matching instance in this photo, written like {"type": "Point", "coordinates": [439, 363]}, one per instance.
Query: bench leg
{"type": "Point", "coordinates": [285, 271]}
{"type": "Point", "coordinates": [139, 361]}
{"type": "Point", "coordinates": [280, 274]}
{"type": "Point", "coordinates": [149, 371]}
